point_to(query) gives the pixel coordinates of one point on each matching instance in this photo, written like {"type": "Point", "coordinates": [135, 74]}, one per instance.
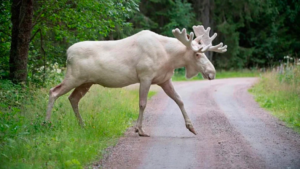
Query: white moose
{"type": "Point", "coordinates": [146, 58]}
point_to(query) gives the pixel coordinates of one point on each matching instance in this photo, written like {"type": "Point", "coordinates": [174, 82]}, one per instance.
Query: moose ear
{"type": "Point", "coordinates": [198, 55]}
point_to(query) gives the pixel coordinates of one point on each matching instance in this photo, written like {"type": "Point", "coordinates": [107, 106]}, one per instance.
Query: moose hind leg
{"type": "Point", "coordinates": [54, 93]}
{"type": "Point", "coordinates": [75, 97]}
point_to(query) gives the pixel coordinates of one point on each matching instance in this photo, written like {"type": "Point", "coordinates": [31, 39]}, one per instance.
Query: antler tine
{"type": "Point", "coordinates": [198, 30]}
{"type": "Point", "coordinates": [214, 36]}
{"type": "Point", "coordinates": [218, 48]}
{"type": "Point", "coordinates": [206, 41]}
{"type": "Point", "coordinates": [182, 37]}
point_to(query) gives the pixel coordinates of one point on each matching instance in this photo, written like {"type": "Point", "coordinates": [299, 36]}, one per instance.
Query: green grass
{"type": "Point", "coordinates": [180, 76]}
{"type": "Point", "coordinates": [240, 73]}
{"type": "Point", "coordinates": [25, 142]}
{"type": "Point", "coordinates": [280, 94]}
{"type": "Point", "coordinates": [151, 94]}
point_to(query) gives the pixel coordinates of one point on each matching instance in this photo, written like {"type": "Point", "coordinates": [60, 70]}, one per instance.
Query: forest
{"type": "Point", "coordinates": [35, 35]}
{"type": "Point", "coordinates": [258, 33]}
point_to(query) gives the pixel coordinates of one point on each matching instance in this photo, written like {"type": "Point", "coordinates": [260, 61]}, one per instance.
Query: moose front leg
{"type": "Point", "coordinates": [169, 90]}
{"type": "Point", "coordinates": [143, 93]}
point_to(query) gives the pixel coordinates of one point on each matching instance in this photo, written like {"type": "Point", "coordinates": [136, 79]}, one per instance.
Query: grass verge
{"type": "Point", "coordinates": [25, 142]}
{"type": "Point", "coordinates": [280, 94]}
{"type": "Point", "coordinates": [180, 76]}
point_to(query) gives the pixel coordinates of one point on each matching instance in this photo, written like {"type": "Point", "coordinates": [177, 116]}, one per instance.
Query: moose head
{"type": "Point", "coordinates": [196, 47]}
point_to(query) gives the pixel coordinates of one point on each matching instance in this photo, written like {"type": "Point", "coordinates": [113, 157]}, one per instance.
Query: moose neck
{"type": "Point", "coordinates": [178, 53]}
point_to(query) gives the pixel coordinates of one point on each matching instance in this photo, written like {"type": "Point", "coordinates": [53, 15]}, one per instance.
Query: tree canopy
{"type": "Point", "coordinates": [258, 33]}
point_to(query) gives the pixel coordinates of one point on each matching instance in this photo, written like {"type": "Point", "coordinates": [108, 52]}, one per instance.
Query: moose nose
{"type": "Point", "coordinates": [211, 76]}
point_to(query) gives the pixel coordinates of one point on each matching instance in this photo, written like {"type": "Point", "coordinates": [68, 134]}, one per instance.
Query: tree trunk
{"type": "Point", "coordinates": [203, 10]}
{"type": "Point", "coordinates": [22, 14]}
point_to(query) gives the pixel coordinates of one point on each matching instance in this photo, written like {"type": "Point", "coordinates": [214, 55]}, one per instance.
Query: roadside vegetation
{"type": "Point", "coordinates": [34, 37]}
{"type": "Point", "coordinates": [180, 75]}
{"type": "Point", "coordinates": [26, 142]}
{"type": "Point", "coordinates": [280, 94]}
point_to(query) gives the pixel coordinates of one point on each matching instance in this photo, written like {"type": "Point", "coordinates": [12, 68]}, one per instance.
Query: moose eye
{"type": "Point", "coordinates": [198, 56]}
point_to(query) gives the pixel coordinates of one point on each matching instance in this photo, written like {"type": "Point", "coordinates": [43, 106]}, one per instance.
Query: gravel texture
{"type": "Point", "coordinates": [233, 132]}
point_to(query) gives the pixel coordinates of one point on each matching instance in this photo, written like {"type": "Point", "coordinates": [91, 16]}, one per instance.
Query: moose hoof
{"type": "Point", "coordinates": [191, 128]}
{"type": "Point", "coordinates": [141, 132]}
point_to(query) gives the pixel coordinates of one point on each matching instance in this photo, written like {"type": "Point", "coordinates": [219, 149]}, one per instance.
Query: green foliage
{"type": "Point", "coordinates": [5, 37]}
{"type": "Point", "coordinates": [11, 95]}
{"type": "Point", "coordinates": [290, 77]}
{"type": "Point", "coordinates": [180, 75]}
{"type": "Point", "coordinates": [168, 15]}
{"type": "Point", "coordinates": [180, 16]}
{"type": "Point", "coordinates": [237, 73]}
{"type": "Point", "coordinates": [257, 35]}
{"type": "Point", "coordinates": [46, 74]}
{"type": "Point", "coordinates": [280, 93]}
{"type": "Point", "coordinates": [151, 94]}
{"type": "Point", "coordinates": [59, 24]}
{"type": "Point", "coordinates": [232, 26]}
{"type": "Point", "coordinates": [27, 142]}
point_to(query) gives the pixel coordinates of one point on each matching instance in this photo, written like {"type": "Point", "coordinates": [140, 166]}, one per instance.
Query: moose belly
{"type": "Point", "coordinates": [114, 82]}
{"type": "Point", "coordinates": [114, 78]}
{"type": "Point", "coordinates": [107, 76]}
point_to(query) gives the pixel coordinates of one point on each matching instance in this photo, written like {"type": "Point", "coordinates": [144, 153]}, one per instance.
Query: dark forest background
{"type": "Point", "coordinates": [34, 34]}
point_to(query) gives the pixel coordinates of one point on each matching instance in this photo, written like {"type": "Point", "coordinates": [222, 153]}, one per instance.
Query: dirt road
{"type": "Point", "coordinates": [233, 132]}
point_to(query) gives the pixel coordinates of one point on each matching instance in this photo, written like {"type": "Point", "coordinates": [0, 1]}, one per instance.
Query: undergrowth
{"type": "Point", "coordinates": [26, 142]}
{"type": "Point", "coordinates": [280, 94]}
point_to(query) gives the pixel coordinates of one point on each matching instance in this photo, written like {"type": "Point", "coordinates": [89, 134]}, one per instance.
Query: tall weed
{"type": "Point", "coordinates": [27, 142]}
{"type": "Point", "coordinates": [280, 93]}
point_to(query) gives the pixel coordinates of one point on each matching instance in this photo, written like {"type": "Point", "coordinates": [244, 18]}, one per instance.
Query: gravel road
{"type": "Point", "coordinates": [233, 132]}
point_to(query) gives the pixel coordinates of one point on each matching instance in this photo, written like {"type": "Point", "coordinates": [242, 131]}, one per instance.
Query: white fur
{"type": "Point", "coordinates": [145, 55]}
{"type": "Point", "coordinates": [146, 58]}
